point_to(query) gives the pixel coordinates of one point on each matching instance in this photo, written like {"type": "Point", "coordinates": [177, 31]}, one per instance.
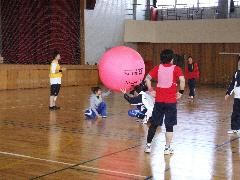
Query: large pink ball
{"type": "Point", "coordinates": [121, 67]}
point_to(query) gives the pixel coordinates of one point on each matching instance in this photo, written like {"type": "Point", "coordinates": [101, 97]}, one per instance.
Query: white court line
{"type": "Point", "coordinates": [24, 156]}
{"type": "Point", "coordinates": [117, 172]}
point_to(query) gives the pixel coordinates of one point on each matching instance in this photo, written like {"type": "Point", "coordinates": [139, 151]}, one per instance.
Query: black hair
{"type": "Point", "coordinates": [166, 56]}
{"type": "Point", "coordinates": [54, 54]}
{"type": "Point", "coordinates": [138, 89]}
{"type": "Point", "coordinates": [238, 58]}
{"type": "Point", "coordinates": [95, 89]}
{"type": "Point", "coordinates": [144, 86]}
{"type": "Point", "coordinates": [190, 57]}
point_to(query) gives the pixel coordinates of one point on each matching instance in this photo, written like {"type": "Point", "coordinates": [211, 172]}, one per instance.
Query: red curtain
{"type": "Point", "coordinates": [32, 30]}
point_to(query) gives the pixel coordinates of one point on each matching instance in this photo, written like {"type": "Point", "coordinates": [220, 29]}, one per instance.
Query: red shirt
{"type": "Point", "coordinates": [194, 74]}
{"type": "Point", "coordinates": [166, 95]}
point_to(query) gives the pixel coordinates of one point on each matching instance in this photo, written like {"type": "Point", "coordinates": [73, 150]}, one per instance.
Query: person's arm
{"type": "Point", "coordinates": [106, 94]}
{"type": "Point", "coordinates": [182, 86]}
{"type": "Point", "coordinates": [54, 67]}
{"type": "Point", "coordinates": [133, 101]}
{"type": "Point", "coordinates": [231, 87]}
{"type": "Point", "coordinates": [61, 70]}
{"type": "Point", "coordinates": [149, 85]}
{"type": "Point", "coordinates": [196, 70]}
{"type": "Point", "coordinates": [92, 104]}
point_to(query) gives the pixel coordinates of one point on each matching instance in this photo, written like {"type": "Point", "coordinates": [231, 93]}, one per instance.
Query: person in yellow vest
{"type": "Point", "coordinates": [55, 79]}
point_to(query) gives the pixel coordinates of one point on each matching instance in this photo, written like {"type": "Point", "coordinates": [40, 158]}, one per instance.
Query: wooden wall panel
{"type": "Point", "coordinates": [23, 79]}
{"type": "Point", "coordinates": [44, 80]}
{"type": "Point", "coordinates": [3, 80]}
{"type": "Point", "coordinates": [86, 74]}
{"type": "Point", "coordinates": [93, 77]}
{"type": "Point", "coordinates": [12, 79]}
{"type": "Point", "coordinates": [64, 79]}
{"type": "Point", "coordinates": [79, 77]}
{"type": "Point", "coordinates": [33, 78]}
{"type": "Point", "coordinates": [214, 68]}
{"type": "Point", "coordinates": [71, 77]}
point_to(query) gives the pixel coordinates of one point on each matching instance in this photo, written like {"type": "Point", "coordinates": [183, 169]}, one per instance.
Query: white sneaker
{"type": "Point", "coordinates": [233, 132]}
{"type": "Point", "coordinates": [168, 150]}
{"type": "Point", "coordinates": [148, 148]}
{"type": "Point", "coordinates": [144, 121]}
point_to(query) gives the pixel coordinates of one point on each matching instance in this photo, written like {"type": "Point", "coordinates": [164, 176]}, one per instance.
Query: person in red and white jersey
{"type": "Point", "coordinates": [165, 108]}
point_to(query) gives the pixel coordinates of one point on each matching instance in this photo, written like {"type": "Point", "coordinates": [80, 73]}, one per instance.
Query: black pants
{"type": "Point", "coordinates": [191, 85]}
{"type": "Point", "coordinates": [235, 118]}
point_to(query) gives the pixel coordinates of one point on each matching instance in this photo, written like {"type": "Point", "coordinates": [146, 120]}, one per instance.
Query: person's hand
{"type": "Point", "coordinates": [99, 116]}
{"type": "Point", "coordinates": [178, 95]}
{"type": "Point", "coordinates": [63, 69]}
{"type": "Point", "coordinates": [226, 96]}
{"type": "Point", "coordinates": [123, 90]}
{"type": "Point", "coordinates": [153, 94]}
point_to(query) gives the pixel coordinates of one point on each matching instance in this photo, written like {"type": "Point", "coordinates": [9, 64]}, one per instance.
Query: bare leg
{"type": "Point", "coordinates": [169, 136]}
{"type": "Point", "coordinates": [52, 102]}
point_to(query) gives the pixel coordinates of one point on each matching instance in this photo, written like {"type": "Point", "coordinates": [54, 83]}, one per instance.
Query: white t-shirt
{"type": "Point", "coordinates": [54, 80]}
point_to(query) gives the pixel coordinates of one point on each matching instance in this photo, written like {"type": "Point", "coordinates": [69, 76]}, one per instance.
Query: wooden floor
{"type": "Point", "coordinates": [38, 143]}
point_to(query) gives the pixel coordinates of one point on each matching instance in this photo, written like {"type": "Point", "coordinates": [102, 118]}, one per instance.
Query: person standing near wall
{"type": "Point", "coordinates": [165, 108]}
{"type": "Point", "coordinates": [235, 87]}
{"type": "Point", "coordinates": [191, 73]}
{"type": "Point", "coordinates": [55, 79]}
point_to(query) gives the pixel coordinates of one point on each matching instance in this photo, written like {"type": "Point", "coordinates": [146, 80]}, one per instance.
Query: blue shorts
{"type": "Point", "coordinates": [166, 112]}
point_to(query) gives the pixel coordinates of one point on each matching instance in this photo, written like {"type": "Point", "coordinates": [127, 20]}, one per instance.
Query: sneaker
{"type": "Point", "coordinates": [233, 132]}
{"type": "Point", "coordinates": [104, 116]}
{"type": "Point", "coordinates": [148, 148]}
{"type": "Point", "coordinates": [190, 97]}
{"type": "Point", "coordinates": [168, 150]}
{"type": "Point", "coordinates": [144, 121]}
{"type": "Point", "coordinates": [54, 107]}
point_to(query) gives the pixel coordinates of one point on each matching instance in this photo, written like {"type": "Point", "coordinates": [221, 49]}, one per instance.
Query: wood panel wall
{"type": "Point", "coordinates": [36, 76]}
{"type": "Point", "coordinates": [214, 69]}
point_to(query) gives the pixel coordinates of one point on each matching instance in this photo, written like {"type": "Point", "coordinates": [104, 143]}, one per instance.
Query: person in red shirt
{"type": "Point", "coordinates": [191, 73]}
{"type": "Point", "coordinates": [165, 108]}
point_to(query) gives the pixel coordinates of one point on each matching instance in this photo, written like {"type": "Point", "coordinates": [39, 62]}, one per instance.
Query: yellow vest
{"type": "Point", "coordinates": [56, 75]}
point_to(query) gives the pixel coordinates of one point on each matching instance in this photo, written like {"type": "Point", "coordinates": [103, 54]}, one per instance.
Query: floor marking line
{"type": "Point", "coordinates": [112, 171]}
{"type": "Point", "coordinates": [85, 162]}
{"type": "Point", "coordinates": [30, 157]}
{"type": "Point", "coordinates": [69, 142]}
{"type": "Point", "coordinates": [226, 143]}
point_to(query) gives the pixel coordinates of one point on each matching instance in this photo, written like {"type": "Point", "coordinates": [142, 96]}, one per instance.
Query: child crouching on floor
{"type": "Point", "coordinates": [143, 101]}
{"type": "Point", "coordinates": [97, 107]}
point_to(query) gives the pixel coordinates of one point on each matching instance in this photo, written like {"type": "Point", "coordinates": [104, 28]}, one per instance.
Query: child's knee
{"type": "Point", "coordinates": [103, 103]}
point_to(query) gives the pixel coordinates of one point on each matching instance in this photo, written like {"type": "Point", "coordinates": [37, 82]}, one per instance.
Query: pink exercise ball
{"type": "Point", "coordinates": [121, 67]}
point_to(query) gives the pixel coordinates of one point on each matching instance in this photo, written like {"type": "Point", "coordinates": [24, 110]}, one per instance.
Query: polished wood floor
{"type": "Point", "coordinates": [38, 143]}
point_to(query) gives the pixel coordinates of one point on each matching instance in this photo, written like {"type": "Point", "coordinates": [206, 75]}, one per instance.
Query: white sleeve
{"type": "Point", "coordinates": [54, 67]}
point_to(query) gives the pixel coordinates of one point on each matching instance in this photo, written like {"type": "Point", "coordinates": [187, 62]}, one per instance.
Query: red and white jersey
{"type": "Point", "coordinates": [163, 93]}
